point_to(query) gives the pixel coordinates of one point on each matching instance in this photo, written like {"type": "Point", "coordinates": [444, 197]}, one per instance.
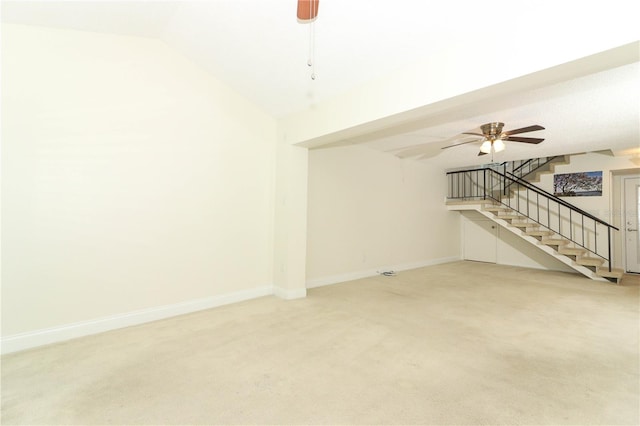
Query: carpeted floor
{"type": "Point", "coordinates": [459, 343]}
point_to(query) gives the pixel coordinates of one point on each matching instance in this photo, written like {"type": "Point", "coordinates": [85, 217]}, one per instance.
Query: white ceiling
{"type": "Point", "coordinates": [259, 49]}
{"type": "Point", "coordinates": [596, 112]}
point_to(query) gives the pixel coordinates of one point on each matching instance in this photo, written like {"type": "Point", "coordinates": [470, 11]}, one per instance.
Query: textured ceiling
{"type": "Point", "coordinates": [596, 112]}
{"type": "Point", "coordinates": [258, 48]}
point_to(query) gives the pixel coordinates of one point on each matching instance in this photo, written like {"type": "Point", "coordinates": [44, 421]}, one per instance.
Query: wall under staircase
{"type": "Point", "coordinates": [555, 227]}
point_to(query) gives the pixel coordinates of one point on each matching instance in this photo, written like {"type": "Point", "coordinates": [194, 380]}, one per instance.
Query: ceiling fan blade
{"type": "Point", "coordinates": [471, 133]}
{"type": "Point", "coordinates": [482, 153]}
{"type": "Point", "coordinates": [523, 139]}
{"type": "Point", "coordinates": [462, 143]}
{"type": "Point", "coordinates": [523, 130]}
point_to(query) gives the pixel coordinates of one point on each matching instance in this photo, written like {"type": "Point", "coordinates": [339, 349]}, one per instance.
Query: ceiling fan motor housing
{"type": "Point", "coordinates": [492, 129]}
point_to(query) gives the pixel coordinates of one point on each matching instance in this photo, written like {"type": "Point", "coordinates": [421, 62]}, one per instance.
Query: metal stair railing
{"type": "Point", "coordinates": [526, 167]}
{"type": "Point", "coordinates": [540, 206]}
{"type": "Point", "coordinates": [519, 168]}
{"type": "Point", "coordinates": [523, 168]}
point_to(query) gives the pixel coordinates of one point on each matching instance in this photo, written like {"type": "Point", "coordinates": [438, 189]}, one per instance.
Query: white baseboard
{"type": "Point", "coordinates": [340, 278]}
{"type": "Point", "coordinates": [22, 341]}
{"type": "Point", "coordinates": [32, 339]}
{"type": "Point", "coordinates": [287, 294]}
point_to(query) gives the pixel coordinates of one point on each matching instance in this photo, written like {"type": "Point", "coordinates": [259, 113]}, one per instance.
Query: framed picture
{"type": "Point", "coordinates": [583, 184]}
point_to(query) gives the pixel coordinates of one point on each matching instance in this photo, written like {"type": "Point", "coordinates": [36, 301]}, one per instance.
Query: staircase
{"type": "Point", "coordinates": [563, 231]}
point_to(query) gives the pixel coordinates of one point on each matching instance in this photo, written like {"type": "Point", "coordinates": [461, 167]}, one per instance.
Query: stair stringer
{"type": "Point", "coordinates": [531, 240]}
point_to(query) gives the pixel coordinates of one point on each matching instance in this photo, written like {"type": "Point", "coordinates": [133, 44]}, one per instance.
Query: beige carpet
{"type": "Point", "coordinates": [461, 343]}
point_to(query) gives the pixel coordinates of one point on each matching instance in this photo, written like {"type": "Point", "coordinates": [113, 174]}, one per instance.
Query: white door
{"type": "Point", "coordinates": [631, 219]}
{"type": "Point", "coordinates": [480, 240]}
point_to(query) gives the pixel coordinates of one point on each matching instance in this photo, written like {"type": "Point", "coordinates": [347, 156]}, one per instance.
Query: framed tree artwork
{"type": "Point", "coordinates": [583, 184]}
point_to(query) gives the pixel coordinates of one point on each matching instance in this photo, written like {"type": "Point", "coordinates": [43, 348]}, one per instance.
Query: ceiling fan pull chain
{"type": "Point", "coordinates": [307, 14]}
{"type": "Point", "coordinates": [311, 60]}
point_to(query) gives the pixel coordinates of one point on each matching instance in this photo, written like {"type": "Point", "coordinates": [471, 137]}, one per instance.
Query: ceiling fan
{"type": "Point", "coordinates": [490, 134]}
{"type": "Point", "coordinates": [493, 138]}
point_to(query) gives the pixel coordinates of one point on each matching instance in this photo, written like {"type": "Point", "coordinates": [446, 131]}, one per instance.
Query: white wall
{"type": "Point", "coordinates": [290, 221]}
{"type": "Point", "coordinates": [368, 210]}
{"type": "Point", "coordinates": [599, 206]}
{"type": "Point", "coordinates": [131, 180]}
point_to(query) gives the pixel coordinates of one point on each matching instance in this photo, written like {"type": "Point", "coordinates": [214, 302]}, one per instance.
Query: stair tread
{"type": "Point", "coordinates": [590, 261]}
{"type": "Point", "coordinates": [614, 273]}
{"type": "Point", "coordinates": [540, 232]}
{"type": "Point", "coordinates": [554, 241]}
{"type": "Point", "coordinates": [525, 225]}
{"type": "Point", "coordinates": [510, 216]}
{"type": "Point", "coordinates": [571, 250]}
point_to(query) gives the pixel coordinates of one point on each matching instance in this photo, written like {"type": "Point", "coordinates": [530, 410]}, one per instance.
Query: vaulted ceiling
{"type": "Point", "coordinates": [258, 48]}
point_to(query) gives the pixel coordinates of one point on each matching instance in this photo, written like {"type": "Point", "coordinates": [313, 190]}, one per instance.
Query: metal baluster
{"type": "Point", "coordinates": [559, 221]}
{"type": "Point", "coordinates": [570, 227]}
{"type": "Point", "coordinates": [484, 184]}
{"type": "Point", "coordinates": [504, 184]}
{"type": "Point", "coordinates": [464, 186]}
{"type": "Point", "coordinates": [548, 214]}
{"type": "Point", "coordinates": [453, 185]}
{"type": "Point", "coordinates": [609, 246]}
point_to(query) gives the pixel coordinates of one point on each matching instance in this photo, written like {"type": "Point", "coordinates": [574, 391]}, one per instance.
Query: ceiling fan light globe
{"type": "Point", "coordinates": [498, 145]}
{"type": "Point", "coordinates": [486, 147]}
